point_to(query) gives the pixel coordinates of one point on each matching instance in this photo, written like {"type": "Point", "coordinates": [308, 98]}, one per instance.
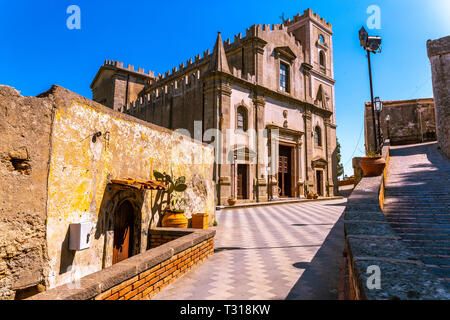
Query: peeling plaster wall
{"type": "Point", "coordinates": [80, 170]}
{"type": "Point", "coordinates": [54, 174]}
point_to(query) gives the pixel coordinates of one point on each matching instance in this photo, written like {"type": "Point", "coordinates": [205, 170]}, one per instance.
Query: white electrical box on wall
{"type": "Point", "coordinates": [79, 234]}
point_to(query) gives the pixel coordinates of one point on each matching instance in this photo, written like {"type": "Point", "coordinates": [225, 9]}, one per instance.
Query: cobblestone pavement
{"type": "Point", "coordinates": [263, 252]}
{"type": "Point", "coordinates": [418, 203]}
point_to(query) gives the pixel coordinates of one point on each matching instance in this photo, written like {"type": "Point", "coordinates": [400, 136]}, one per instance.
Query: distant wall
{"type": "Point", "coordinates": [411, 121]}
{"type": "Point", "coordinates": [439, 54]}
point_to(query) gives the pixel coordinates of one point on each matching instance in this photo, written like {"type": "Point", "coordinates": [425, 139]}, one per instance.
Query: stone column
{"type": "Point", "coordinates": [439, 55]}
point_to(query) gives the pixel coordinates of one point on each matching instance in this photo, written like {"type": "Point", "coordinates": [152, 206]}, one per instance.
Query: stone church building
{"type": "Point", "coordinates": [271, 95]}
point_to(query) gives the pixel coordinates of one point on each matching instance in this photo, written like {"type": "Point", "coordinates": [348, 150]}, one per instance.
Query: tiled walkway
{"type": "Point", "coordinates": [262, 253]}
{"type": "Point", "coordinates": [418, 203]}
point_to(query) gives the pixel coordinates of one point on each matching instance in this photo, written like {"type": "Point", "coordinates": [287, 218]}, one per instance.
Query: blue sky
{"type": "Point", "coordinates": [38, 50]}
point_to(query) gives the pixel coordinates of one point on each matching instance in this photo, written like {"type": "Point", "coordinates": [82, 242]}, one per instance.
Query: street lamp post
{"type": "Point", "coordinates": [388, 119]}
{"type": "Point", "coordinates": [371, 44]}
{"type": "Point", "coordinates": [378, 106]}
{"type": "Point", "coordinates": [420, 110]}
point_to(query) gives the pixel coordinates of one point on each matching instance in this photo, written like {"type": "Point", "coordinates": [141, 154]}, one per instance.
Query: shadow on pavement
{"type": "Point", "coordinates": [320, 279]}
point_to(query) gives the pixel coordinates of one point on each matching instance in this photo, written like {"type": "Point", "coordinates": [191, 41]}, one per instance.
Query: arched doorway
{"type": "Point", "coordinates": [123, 232]}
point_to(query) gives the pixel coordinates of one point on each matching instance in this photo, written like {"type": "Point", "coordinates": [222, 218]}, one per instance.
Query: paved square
{"type": "Point", "coordinates": [261, 253]}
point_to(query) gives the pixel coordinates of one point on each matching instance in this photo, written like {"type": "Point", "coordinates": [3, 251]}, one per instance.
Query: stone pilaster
{"type": "Point", "coordinates": [260, 181]}
{"type": "Point", "coordinates": [309, 178]}
{"type": "Point", "coordinates": [224, 93]}
{"type": "Point", "coordinates": [330, 132]}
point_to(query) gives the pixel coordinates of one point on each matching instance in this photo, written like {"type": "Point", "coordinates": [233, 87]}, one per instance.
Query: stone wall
{"type": "Point", "coordinates": [25, 126]}
{"type": "Point", "coordinates": [142, 276]}
{"type": "Point", "coordinates": [439, 54]}
{"type": "Point", "coordinates": [371, 241]}
{"type": "Point", "coordinates": [60, 154]}
{"type": "Point", "coordinates": [411, 121]}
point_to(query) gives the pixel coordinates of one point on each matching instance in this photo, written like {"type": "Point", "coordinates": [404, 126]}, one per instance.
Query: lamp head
{"type": "Point", "coordinates": [378, 105]}
{"type": "Point", "coordinates": [363, 35]}
{"type": "Point", "coordinates": [374, 44]}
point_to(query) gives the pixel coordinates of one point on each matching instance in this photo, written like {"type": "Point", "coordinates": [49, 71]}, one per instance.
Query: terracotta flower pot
{"type": "Point", "coordinates": [231, 201]}
{"type": "Point", "coordinates": [200, 221]}
{"type": "Point", "coordinates": [372, 166]}
{"type": "Point", "coordinates": [174, 219]}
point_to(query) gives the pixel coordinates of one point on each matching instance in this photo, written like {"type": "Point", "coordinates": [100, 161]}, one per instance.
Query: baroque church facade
{"type": "Point", "coordinates": [269, 93]}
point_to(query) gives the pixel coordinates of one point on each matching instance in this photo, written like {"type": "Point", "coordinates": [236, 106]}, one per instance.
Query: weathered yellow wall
{"type": "Point", "coordinates": [80, 170]}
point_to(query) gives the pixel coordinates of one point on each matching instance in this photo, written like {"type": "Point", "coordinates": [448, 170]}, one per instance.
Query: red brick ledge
{"type": "Point", "coordinates": [143, 275]}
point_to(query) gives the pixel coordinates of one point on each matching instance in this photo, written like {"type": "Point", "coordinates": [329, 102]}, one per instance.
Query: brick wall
{"type": "Point", "coordinates": [148, 283]}
{"type": "Point", "coordinates": [159, 237]}
{"type": "Point", "coordinates": [144, 275]}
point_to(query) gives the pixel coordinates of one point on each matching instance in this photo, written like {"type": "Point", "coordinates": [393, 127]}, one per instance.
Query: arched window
{"type": "Point", "coordinates": [322, 59]}
{"type": "Point", "coordinates": [321, 39]}
{"type": "Point", "coordinates": [242, 119]}
{"type": "Point", "coordinates": [318, 136]}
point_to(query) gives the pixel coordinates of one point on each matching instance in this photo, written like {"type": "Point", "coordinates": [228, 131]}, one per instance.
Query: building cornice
{"type": "Point", "coordinates": [285, 130]}
{"type": "Point", "coordinates": [322, 76]}
{"type": "Point", "coordinates": [402, 102]}
{"type": "Point", "coordinates": [105, 67]}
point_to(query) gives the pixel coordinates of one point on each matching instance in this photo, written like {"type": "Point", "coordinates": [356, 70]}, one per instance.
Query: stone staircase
{"type": "Point", "coordinates": [417, 203]}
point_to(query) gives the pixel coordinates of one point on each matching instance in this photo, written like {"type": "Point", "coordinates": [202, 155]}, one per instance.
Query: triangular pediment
{"type": "Point", "coordinates": [285, 52]}
{"type": "Point", "coordinates": [319, 162]}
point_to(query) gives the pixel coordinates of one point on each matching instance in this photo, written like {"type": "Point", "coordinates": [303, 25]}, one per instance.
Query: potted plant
{"type": "Point", "coordinates": [173, 215]}
{"type": "Point", "coordinates": [372, 164]}
{"type": "Point", "coordinates": [231, 201]}
{"type": "Point", "coordinates": [311, 194]}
